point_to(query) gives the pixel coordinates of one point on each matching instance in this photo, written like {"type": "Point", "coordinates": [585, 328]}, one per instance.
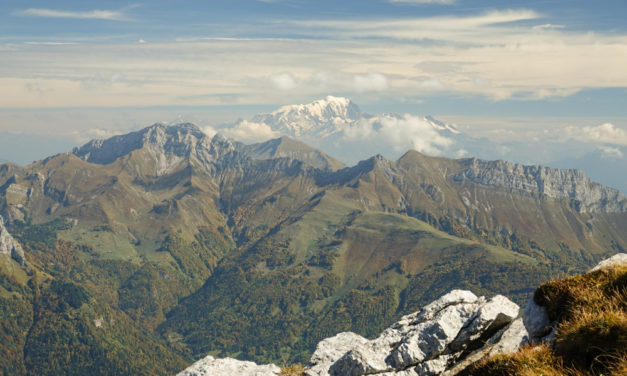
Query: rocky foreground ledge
{"type": "Point", "coordinates": [443, 338]}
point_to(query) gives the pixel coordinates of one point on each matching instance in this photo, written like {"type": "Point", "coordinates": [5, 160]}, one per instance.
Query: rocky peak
{"type": "Point", "coordinates": [178, 140]}
{"type": "Point", "coordinates": [286, 147]}
{"type": "Point", "coordinates": [585, 195]}
{"type": "Point", "coordinates": [221, 144]}
{"type": "Point", "coordinates": [320, 118]}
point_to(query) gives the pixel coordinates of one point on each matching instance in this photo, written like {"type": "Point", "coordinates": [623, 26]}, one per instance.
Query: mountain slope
{"type": "Point", "coordinates": [207, 245]}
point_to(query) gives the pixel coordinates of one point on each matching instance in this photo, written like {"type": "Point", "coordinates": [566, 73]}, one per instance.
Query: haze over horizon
{"type": "Point", "coordinates": [541, 75]}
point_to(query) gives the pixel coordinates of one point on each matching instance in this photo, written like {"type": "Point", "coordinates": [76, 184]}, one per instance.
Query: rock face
{"type": "Point", "coordinates": [329, 350]}
{"type": "Point", "coordinates": [585, 195]}
{"type": "Point", "coordinates": [617, 259]}
{"type": "Point", "coordinates": [10, 246]}
{"type": "Point", "coordinates": [428, 342]}
{"type": "Point", "coordinates": [168, 140]}
{"type": "Point", "coordinates": [209, 366]}
{"type": "Point", "coordinates": [536, 320]}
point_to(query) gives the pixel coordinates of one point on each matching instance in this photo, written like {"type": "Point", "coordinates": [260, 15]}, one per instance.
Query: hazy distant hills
{"type": "Point", "coordinates": [203, 244]}
{"type": "Point", "coordinates": [607, 165]}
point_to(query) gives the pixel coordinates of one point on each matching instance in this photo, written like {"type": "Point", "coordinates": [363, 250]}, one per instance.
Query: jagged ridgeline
{"type": "Point", "coordinates": [148, 250]}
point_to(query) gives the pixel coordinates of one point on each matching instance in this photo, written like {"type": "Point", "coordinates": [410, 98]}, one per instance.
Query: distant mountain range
{"type": "Point", "coordinates": [178, 244]}
{"type": "Point", "coordinates": [338, 127]}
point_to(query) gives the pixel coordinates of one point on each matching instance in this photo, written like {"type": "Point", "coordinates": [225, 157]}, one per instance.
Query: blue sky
{"type": "Point", "coordinates": [73, 70]}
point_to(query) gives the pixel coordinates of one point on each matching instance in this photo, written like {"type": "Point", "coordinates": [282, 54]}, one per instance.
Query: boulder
{"type": "Point", "coordinates": [210, 366]}
{"type": "Point", "coordinates": [427, 342]}
{"type": "Point", "coordinates": [536, 321]}
{"type": "Point", "coordinates": [513, 337]}
{"type": "Point", "coordinates": [329, 350]}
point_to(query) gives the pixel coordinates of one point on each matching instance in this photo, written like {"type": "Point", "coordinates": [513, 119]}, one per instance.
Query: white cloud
{"type": "Point", "coordinates": [450, 28]}
{"type": "Point", "coordinates": [95, 133]}
{"type": "Point", "coordinates": [370, 82]}
{"type": "Point", "coordinates": [606, 133]}
{"type": "Point", "coordinates": [93, 14]}
{"type": "Point", "coordinates": [432, 84]}
{"type": "Point", "coordinates": [610, 152]}
{"type": "Point", "coordinates": [250, 132]}
{"type": "Point", "coordinates": [209, 130]}
{"type": "Point", "coordinates": [512, 61]}
{"type": "Point", "coordinates": [442, 2]}
{"type": "Point", "coordinates": [392, 135]}
{"type": "Point", "coordinates": [548, 27]}
{"type": "Point", "coordinates": [283, 81]}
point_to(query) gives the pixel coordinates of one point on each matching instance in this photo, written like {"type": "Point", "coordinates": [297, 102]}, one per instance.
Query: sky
{"type": "Point", "coordinates": [506, 70]}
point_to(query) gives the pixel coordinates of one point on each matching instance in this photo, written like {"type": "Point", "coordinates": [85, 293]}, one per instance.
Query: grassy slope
{"type": "Point", "coordinates": [338, 269]}
{"type": "Point", "coordinates": [314, 256]}
{"type": "Point", "coordinates": [591, 338]}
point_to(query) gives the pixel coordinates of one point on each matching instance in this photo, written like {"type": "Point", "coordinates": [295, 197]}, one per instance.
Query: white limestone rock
{"type": "Point", "coordinates": [430, 338]}
{"type": "Point", "coordinates": [329, 350]}
{"type": "Point", "coordinates": [536, 321]}
{"type": "Point", "coordinates": [430, 341]}
{"type": "Point", "coordinates": [434, 366]}
{"type": "Point", "coordinates": [210, 366]}
{"type": "Point", "coordinates": [495, 314]}
{"type": "Point", "coordinates": [10, 246]}
{"type": "Point", "coordinates": [617, 259]}
{"type": "Point", "coordinates": [512, 339]}
{"type": "Point", "coordinates": [407, 372]}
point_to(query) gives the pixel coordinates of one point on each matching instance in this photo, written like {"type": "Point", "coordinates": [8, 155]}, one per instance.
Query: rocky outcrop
{"type": "Point", "coordinates": [9, 246]}
{"type": "Point", "coordinates": [536, 321]}
{"type": "Point", "coordinates": [536, 318]}
{"type": "Point", "coordinates": [616, 260]}
{"type": "Point", "coordinates": [166, 140]}
{"type": "Point", "coordinates": [329, 350]}
{"type": "Point", "coordinates": [574, 185]}
{"type": "Point", "coordinates": [428, 342]}
{"type": "Point", "coordinates": [443, 338]}
{"type": "Point", "coordinates": [210, 366]}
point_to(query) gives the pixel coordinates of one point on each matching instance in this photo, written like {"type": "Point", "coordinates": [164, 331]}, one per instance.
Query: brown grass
{"type": "Point", "coordinates": [293, 370]}
{"type": "Point", "coordinates": [529, 361]}
{"type": "Point", "coordinates": [591, 339]}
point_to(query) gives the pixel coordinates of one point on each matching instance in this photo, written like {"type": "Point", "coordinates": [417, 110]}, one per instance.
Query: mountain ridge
{"type": "Point", "coordinates": [206, 244]}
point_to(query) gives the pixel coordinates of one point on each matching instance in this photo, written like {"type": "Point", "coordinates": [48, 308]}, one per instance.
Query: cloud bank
{"type": "Point", "coordinates": [93, 14]}
{"type": "Point", "coordinates": [250, 132]}
{"type": "Point", "coordinates": [391, 135]}
{"type": "Point", "coordinates": [508, 54]}
{"type": "Point", "coordinates": [606, 133]}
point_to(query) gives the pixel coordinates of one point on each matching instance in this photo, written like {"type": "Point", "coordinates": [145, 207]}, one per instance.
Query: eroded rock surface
{"type": "Point", "coordinates": [210, 366]}
{"type": "Point", "coordinates": [428, 342]}
{"type": "Point", "coordinates": [617, 259]}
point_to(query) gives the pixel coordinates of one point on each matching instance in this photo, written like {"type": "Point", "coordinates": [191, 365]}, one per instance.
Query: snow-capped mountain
{"type": "Point", "coordinates": [338, 126]}
{"type": "Point", "coordinates": [327, 117]}
{"type": "Point", "coordinates": [321, 118]}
